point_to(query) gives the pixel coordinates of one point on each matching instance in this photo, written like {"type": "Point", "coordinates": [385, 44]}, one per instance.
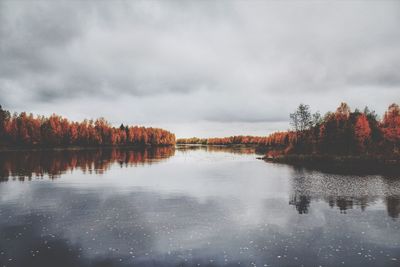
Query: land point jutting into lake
{"type": "Point", "coordinates": [342, 140]}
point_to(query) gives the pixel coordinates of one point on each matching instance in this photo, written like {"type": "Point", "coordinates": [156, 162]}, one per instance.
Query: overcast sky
{"type": "Point", "coordinates": [198, 68]}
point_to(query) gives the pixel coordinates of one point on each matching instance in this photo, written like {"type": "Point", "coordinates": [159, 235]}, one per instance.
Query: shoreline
{"type": "Point", "coordinates": [222, 145]}
{"type": "Point", "coordinates": [60, 148]}
{"type": "Point", "coordinates": [365, 164]}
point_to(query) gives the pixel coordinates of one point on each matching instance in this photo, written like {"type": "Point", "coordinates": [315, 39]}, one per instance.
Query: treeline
{"type": "Point", "coordinates": [275, 138]}
{"type": "Point", "coordinates": [343, 132]}
{"type": "Point", "coordinates": [26, 130]}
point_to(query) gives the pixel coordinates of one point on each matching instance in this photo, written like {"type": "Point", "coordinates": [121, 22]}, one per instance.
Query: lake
{"type": "Point", "coordinates": [190, 206]}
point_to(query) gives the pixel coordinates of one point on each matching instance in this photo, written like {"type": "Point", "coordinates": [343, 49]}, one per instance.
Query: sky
{"type": "Point", "coordinates": [198, 68]}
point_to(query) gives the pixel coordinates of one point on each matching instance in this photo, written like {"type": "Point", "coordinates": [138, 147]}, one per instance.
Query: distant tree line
{"type": "Point", "coordinates": [342, 132]}
{"type": "Point", "coordinates": [224, 140]}
{"type": "Point", "coordinates": [27, 130]}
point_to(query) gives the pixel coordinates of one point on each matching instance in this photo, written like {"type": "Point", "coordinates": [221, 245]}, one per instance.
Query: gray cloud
{"type": "Point", "coordinates": [171, 63]}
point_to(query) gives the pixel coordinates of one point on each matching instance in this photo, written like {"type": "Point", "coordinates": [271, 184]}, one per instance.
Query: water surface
{"type": "Point", "coordinates": [205, 206]}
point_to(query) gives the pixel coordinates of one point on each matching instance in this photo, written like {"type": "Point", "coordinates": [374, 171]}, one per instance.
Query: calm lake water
{"type": "Point", "coordinates": [190, 207]}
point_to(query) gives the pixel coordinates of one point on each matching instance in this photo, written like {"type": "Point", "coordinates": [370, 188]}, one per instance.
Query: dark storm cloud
{"type": "Point", "coordinates": [175, 62]}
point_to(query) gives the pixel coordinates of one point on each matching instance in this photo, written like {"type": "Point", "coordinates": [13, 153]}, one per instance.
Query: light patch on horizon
{"type": "Point", "coordinates": [197, 68]}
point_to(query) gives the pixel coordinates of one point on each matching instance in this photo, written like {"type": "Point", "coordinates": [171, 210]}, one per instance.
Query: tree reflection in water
{"type": "Point", "coordinates": [393, 206]}
{"type": "Point", "coordinates": [345, 192]}
{"type": "Point", "coordinates": [23, 165]}
{"type": "Point", "coordinates": [239, 149]}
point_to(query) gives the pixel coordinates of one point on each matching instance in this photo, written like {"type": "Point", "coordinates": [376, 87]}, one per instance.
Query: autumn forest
{"type": "Point", "coordinates": [343, 132]}
{"type": "Point", "coordinates": [25, 130]}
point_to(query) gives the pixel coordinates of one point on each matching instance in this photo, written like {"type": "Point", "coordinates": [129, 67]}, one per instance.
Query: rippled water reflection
{"type": "Point", "coordinates": [190, 207]}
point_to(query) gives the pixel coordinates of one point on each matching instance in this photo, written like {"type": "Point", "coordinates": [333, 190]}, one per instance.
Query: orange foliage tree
{"type": "Point", "coordinates": [362, 132]}
{"type": "Point", "coordinates": [391, 127]}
